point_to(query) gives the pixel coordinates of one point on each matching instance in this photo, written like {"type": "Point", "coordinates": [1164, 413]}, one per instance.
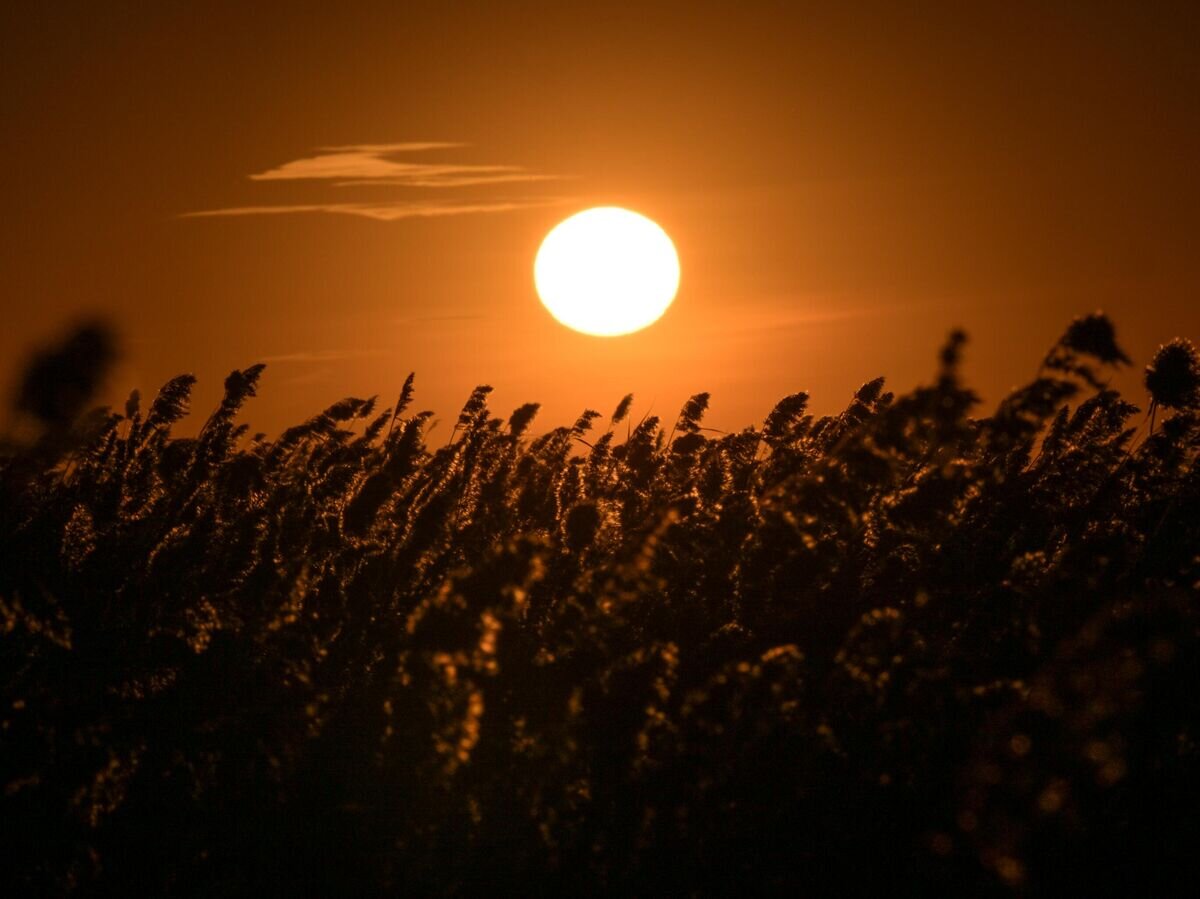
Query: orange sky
{"type": "Point", "coordinates": [843, 188]}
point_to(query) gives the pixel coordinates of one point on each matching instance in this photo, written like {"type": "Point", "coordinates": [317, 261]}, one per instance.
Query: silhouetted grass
{"type": "Point", "coordinates": [900, 648]}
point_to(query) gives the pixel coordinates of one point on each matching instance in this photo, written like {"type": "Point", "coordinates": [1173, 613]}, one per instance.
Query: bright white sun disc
{"type": "Point", "coordinates": [606, 271]}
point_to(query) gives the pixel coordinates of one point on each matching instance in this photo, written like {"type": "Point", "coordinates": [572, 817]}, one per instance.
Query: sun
{"type": "Point", "coordinates": [607, 271]}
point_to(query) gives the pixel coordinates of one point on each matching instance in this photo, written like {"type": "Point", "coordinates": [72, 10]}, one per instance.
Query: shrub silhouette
{"type": "Point", "coordinates": [897, 645]}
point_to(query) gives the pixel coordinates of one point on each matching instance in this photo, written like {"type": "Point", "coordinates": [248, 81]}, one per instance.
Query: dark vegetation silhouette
{"type": "Point", "coordinates": [898, 648]}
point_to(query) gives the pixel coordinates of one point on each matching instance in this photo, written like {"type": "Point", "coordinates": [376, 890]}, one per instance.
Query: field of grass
{"type": "Point", "coordinates": [917, 647]}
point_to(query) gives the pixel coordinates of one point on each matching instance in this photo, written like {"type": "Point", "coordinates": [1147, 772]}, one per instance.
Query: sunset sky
{"type": "Point", "coordinates": [349, 192]}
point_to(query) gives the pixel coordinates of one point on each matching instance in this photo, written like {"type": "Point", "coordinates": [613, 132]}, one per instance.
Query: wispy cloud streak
{"type": "Point", "coordinates": [314, 356]}
{"type": "Point", "coordinates": [463, 176]}
{"type": "Point", "coordinates": [378, 165]}
{"type": "Point", "coordinates": [382, 212]}
{"type": "Point", "coordinates": [371, 164]}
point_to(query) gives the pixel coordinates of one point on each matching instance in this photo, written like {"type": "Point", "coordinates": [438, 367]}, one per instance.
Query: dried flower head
{"type": "Point", "coordinates": [1173, 376]}
{"type": "Point", "coordinates": [61, 380]}
{"type": "Point", "coordinates": [1095, 336]}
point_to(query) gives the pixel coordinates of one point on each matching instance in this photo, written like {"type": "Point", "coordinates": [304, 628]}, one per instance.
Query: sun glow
{"type": "Point", "coordinates": [607, 271]}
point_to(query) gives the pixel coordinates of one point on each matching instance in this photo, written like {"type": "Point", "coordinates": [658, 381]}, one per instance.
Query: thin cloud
{"type": "Point", "coordinates": [757, 320]}
{"type": "Point", "coordinates": [431, 319]}
{"type": "Point", "coordinates": [380, 166]}
{"type": "Point", "coordinates": [371, 164]}
{"type": "Point", "coordinates": [462, 176]}
{"type": "Point", "coordinates": [303, 379]}
{"type": "Point", "coordinates": [312, 356]}
{"type": "Point", "coordinates": [409, 147]}
{"type": "Point", "coordinates": [380, 212]}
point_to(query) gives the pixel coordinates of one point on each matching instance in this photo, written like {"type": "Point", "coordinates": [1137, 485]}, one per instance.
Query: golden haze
{"type": "Point", "coordinates": [844, 186]}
